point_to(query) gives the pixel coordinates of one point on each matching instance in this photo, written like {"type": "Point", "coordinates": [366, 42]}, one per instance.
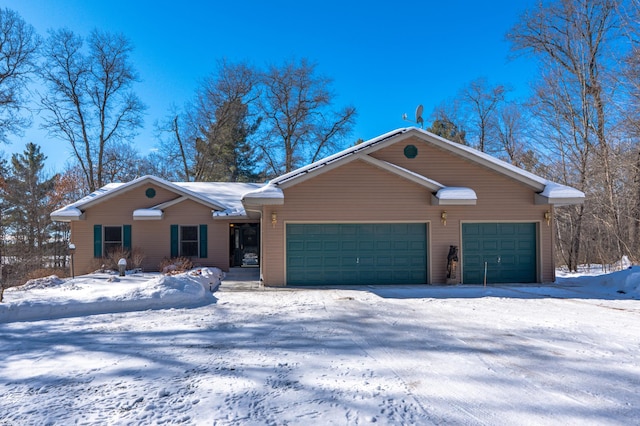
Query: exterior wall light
{"type": "Point", "coordinates": [274, 219]}
{"type": "Point", "coordinates": [547, 217]}
{"type": "Point", "coordinates": [443, 217]}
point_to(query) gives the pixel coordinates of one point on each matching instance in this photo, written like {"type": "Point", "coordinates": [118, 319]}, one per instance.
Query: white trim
{"type": "Point", "coordinates": [402, 172]}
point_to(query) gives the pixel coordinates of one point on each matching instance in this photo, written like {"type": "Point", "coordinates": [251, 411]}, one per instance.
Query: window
{"type": "Point", "coordinates": [189, 241]}
{"type": "Point", "coordinates": [112, 239]}
{"type": "Point", "coordinates": [410, 151]}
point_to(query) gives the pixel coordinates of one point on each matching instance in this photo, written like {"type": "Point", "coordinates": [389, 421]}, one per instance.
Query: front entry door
{"type": "Point", "coordinates": [245, 245]}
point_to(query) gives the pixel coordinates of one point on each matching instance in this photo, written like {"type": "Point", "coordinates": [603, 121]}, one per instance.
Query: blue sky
{"type": "Point", "coordinates": [384, 57]}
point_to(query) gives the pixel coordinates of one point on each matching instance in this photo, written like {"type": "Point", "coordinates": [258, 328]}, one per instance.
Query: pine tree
{"type": "Point", "coordinates": [25, 194]}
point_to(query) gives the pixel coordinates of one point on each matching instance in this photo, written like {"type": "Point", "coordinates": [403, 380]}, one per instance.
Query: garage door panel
{"type": "Point", "coordinates": [330, 245]}
{"type": "Point", "coordinates": [296, 261]}
{"type": "Point", "coordinates": [366, 246]}
{"type": "Point", "coordinates": [384, 261]}
{"type": "Point", "coordinates": [314, 246]}
{"type": "Point", "coordinates": [382, 245]}
{"type": "Point", "coordinates": [490, 245]}
{"type": "Point", "coordinates": [346, 246]}
{"type": "Point", "coordinates": [400, 245]}
{"type": "Point", "coordinates": [508, 245]}
{"type": "Point", "coordinates": [357, 253]}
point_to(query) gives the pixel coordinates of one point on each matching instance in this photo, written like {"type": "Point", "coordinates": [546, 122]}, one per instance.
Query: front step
{"type": "Point", "coordinates": [242, 274]}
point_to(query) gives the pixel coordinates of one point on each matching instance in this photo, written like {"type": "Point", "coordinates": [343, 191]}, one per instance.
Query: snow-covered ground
{"type": "Point", "coordinates": [149, 349]}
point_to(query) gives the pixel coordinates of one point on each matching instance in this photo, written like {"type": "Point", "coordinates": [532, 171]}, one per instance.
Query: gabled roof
{"type": "Point", "coordinates": [219, 196]}
{"type": "Point", "coordinates": [548, 192]}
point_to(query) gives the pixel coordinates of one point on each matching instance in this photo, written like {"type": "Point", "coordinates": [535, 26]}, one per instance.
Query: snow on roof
{"type": "Point", "coordinates": [456, 193]}
{"type": "Point", "coordinates": [555, 190]}
{"type": "Point", "coordinates": [267, 194]}
{"type": "Point", "coordinates": [147, 214]}
{"type": "Point", "coordinates": [66, 214]}
{"type": "Point", "coordinates": [454, 196]}
{"type": "Point", "coordinates": [222, 196]}
{"type": "Point", "coordinates": [228, 193]}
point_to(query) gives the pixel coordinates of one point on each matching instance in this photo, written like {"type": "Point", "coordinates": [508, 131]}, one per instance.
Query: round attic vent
{"type": "Point", "coordinates": [150, 192]}
{"type": "Point", "coordinates": [410, 151]}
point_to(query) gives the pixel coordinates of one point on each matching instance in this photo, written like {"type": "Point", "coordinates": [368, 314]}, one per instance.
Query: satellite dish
{"type": "Point", "coordinates": [419, 119]}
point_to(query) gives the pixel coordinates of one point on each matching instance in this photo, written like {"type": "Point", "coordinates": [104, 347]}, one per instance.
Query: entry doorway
{"type": "Point", "coordinates": [244, 245]}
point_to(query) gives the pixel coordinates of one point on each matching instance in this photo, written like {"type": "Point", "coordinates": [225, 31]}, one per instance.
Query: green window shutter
{"type": "Point", "coordinates": [97, 240]}
{"type": "Point", "coordinates": [174, 240]}
{"type": "Point", "coordinates": [203, 241]}
{"type": "Point", "coordinates": [126, 237]}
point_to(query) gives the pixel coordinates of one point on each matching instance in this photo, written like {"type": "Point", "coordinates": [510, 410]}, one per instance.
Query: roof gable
{"type": "Point", "coordinates": [361, 151]}
{"type": "Point", "coordinates": [218, 196]}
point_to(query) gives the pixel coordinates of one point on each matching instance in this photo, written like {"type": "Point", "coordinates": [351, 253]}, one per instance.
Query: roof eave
{"type": "Point", "coordinates": [558, 201]}
{"type": "Point", "coordinates": [71, 214]}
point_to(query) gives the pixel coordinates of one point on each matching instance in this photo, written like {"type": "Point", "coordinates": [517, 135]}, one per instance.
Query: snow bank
{"type": "Point", "coordinates": [622, 282]}
{"type": "Point", "coordinates": [100, 293]}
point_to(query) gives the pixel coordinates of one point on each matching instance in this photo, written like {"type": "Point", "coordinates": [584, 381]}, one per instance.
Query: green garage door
{"type": "Point", "coordinates": [356, 254]}
{"type": "Point", "coordinates": [509, 250]}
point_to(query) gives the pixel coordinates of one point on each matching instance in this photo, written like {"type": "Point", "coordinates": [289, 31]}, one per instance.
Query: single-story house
{"type": "Point", "coordinates": [397, 209]}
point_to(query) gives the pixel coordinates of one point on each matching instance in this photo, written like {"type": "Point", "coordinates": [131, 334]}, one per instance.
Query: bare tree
{"type": "Point", "coordinates": [18, 48]}
{"type": "Point", "coordinates": [90, 102]}
{"type": "Point", "coordinates": [572, 40]}
{"type": "Point", "coordinates": [510, 125]}
{"type": "Point", "coordinates": [481, 103]}
{"type": "Point", "coordinates": [299, 124]}
{"type": "Point", "coordinates": [175, 151]}
{"type": "Point", "coordinates": [630, 16]}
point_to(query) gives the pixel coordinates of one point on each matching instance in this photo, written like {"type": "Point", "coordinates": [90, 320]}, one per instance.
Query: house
{"type": "Point", "coordinates": [386, 211]}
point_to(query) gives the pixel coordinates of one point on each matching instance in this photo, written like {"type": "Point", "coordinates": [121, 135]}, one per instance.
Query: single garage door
{"type": "Point", "coordinates": [509, 250]}
{"type": "Point", "coordinates": [356, 254]}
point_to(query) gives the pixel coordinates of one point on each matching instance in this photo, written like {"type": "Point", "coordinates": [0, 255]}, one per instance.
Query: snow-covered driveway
{"type": "Point", "coordinates": [416, 355]}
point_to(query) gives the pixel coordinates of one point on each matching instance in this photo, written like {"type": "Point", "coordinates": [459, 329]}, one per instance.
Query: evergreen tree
{"type": "Point", "coordinates": [25, 194]}
{"type": "Point", "coordinates": [448, 130]}
{"type": "Point", "coordinates": [225, 154]}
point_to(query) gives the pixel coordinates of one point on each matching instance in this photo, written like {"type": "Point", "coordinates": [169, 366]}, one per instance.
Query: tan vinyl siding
{"type": "Point", "coordinates": [361, 192]}
{"type": "Point", "coordinates": [152, 236]}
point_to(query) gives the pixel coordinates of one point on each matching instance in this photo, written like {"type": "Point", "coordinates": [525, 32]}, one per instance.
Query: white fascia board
{"type": "Point", "coordinates": [402, 172]}
{"type": "Point", "coordinates": [303, 173]}
{"type": "Point", "coordinates": [230, 214]}
{"type": "Point", "coordinates": [170, 203]}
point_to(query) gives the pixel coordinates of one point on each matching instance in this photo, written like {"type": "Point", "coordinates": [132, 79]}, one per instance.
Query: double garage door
{"type": "Point", "coordinates": [356, 253]}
